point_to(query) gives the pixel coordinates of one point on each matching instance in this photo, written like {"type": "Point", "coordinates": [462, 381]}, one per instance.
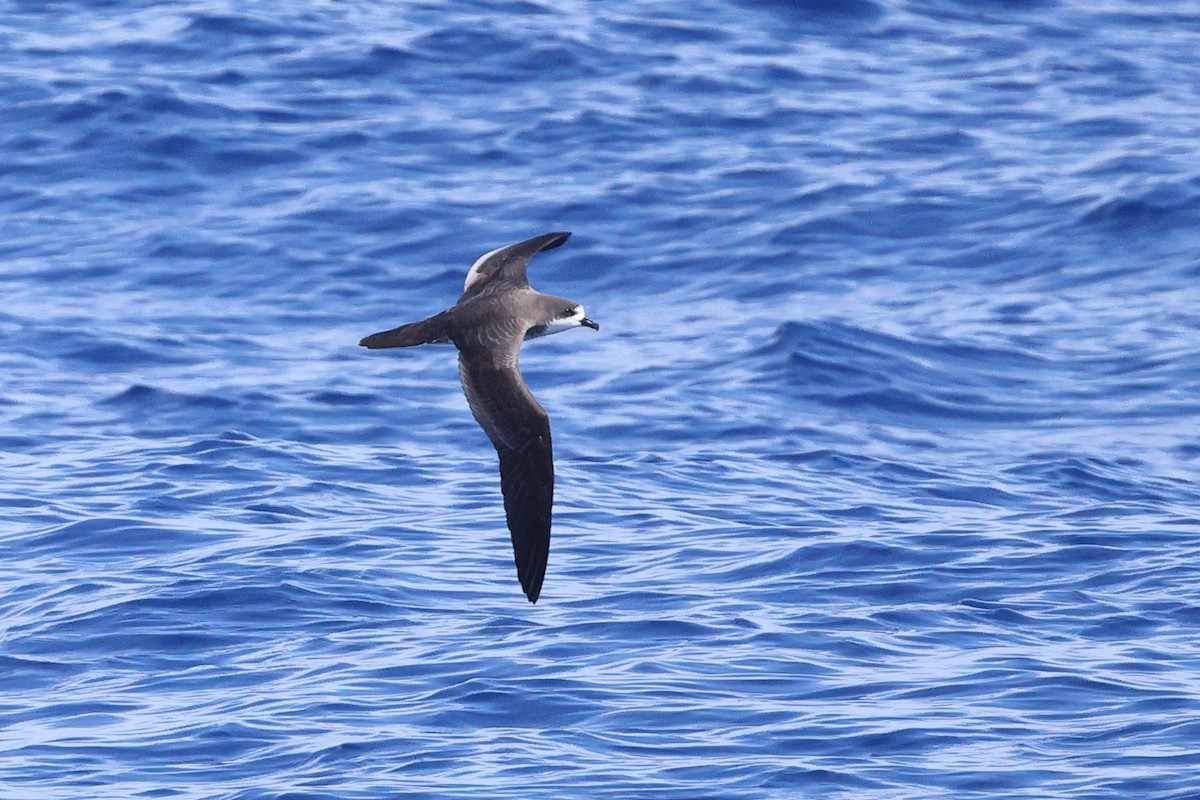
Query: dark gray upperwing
{"type": "Point", "coordinates": [520, 430]}
{"type": "Point", "coordinates": [507, 267]}
{"type": "Point", "coordinates": [427, 331]}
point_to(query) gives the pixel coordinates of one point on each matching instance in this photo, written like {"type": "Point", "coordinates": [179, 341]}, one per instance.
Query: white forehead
{"type": "Point", "coordinates": [473, 273]}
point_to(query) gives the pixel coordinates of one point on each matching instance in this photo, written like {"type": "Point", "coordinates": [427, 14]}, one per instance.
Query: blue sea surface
{"type": "Point", "coordinates": [878, 481]}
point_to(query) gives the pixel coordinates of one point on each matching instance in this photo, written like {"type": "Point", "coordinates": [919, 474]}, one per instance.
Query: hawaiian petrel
{"type": "Point", "coordinates": [497, 311]}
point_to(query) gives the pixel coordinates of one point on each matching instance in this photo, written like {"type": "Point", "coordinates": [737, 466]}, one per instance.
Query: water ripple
{"type": "Point", "coordinates": [880, 478]}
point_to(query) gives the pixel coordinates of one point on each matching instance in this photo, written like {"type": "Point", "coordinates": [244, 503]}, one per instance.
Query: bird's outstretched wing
{"type": "Point", "coordinates": [427, 331]}
{"type": "Point", "coordinates": [505, 267]}
{"type": "Point", "coordinates": [520, 430]}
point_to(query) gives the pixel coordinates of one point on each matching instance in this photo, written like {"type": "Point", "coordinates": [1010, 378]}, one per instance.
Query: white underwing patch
{"type": "Point", "coordinates": [475, 273]}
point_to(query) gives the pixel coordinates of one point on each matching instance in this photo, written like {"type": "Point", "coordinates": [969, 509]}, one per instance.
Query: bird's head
{"type": "Point", "coordinates": [560, 315]}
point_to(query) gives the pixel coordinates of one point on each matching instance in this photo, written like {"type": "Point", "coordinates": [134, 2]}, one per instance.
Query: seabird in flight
{"type": "Point", "coordinates": [497, 311]}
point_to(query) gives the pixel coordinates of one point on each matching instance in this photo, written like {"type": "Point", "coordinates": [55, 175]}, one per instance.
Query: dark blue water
{"type": "Point", "coordinates": [879, 479]}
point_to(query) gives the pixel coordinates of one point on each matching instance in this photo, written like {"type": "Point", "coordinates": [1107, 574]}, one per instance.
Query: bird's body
{"type": "Point", "coordinates": [496, 313]}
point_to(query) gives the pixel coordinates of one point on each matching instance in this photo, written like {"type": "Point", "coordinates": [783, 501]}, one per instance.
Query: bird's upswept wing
{"type": "Point", "coordinates": [520, 430]}
{"type": "Point", "coordinates": [505, 267]}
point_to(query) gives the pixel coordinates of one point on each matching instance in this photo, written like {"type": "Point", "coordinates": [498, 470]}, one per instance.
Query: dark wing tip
{"type": "Point", "coordinates": [527, 483]}
{"type": "Point", "coordinates": [555, 239]}
{"type": "Point", "coordinates": [529, 524]}
{"type": "Point", "coordinates": [532, 578]}
{"type": "Point", "coordinates": [426, 331]}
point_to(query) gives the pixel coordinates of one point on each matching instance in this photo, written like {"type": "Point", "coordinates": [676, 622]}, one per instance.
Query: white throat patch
{"type": "Point", "coordinates": [558, 325]}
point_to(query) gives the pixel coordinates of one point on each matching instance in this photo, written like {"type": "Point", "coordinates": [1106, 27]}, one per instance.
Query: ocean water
{"type": "Point", "coordinates": [878, 481]}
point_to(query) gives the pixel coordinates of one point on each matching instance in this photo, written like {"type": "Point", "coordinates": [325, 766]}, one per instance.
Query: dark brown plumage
{"type": "Point", "coordinates": [496, 313]}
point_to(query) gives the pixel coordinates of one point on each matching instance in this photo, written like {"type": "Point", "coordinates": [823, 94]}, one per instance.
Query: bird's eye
{"type": "Point", "coordinates": [566, 312]}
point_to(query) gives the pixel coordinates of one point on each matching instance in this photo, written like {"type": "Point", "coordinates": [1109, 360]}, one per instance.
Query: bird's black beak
{"type": "Point", "coordinates": [588, 323]}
